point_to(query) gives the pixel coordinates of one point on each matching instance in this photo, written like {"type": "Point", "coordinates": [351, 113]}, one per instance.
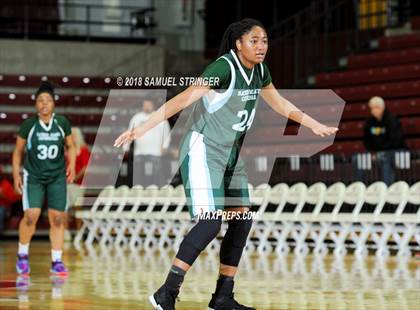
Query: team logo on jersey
{"type": "Point", "coordinates": [248, 94]}
{"type": "Point", "coordinates": [48, 136]}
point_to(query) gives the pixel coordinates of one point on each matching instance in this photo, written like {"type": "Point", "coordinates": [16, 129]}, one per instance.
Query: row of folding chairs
{"type": "Point", "coordinates": [118, 212]}
{"type": "Point", "coordinates": [377, 217]}
{"type": "Point", "coordinates": [297, 217]}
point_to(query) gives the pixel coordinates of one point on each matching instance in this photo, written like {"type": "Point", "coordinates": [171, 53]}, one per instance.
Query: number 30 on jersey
{"type": "Point", "coordinates": [45, 152]}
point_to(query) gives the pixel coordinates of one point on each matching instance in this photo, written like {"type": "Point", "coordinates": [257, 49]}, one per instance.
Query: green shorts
{"type": "Point", "coordinates": [214, 176]}
{"type": "Point", "coordinates": [35, 192]}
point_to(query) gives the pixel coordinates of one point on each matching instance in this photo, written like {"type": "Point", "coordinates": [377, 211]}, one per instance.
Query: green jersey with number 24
{"type": "Point", "coordinates": [44, 153]}
{"type": "Point", "coordinates": [225, 113]}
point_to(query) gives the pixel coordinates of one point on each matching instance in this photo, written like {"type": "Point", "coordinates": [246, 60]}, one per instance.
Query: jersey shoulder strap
{"type": "Point", "coordinates": [27, 126]}
{"type": "Point", "coordinates": [63, 125]}
{"type": "Point", "coordinates": [261, 70]}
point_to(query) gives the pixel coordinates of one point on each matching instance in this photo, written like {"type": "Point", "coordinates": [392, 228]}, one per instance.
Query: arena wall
{"type": "Point", "coordinates": [80, 58]}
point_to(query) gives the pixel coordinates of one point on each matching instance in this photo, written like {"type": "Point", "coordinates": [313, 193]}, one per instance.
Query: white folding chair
{"type": "Point", "coordinates": [354, 195]}
{"type": "Point", "coordinates": [278, 196]}
{"type": "Point", "coordinates": [296, 196]}
{"type": "Point", "coordinates": [104, 198]}
{"type": "Point", "coordinates": [144, 223]}
{"type": "Point", "coordinates": [266, 220]}
{"type": "Point", "coordinates": [159, 219]}
{"type": "Point", "coordinates": [166, 216]}
{"type": "Point", "coordinates": [375, 195]}
{"type": "Point", "coordinates": [260, 196]}
{"type": "Point", "coordinates": [397, 194]}
{"type": "Point", "coordinates": [405, 233]}
{"type": "Point", "coordinates": [112, 221]}
{"type": "Point", "coordinates": [125, 217]}
{"type": "Point", "coordinates": [414, 196]}
{"type": "Point", "coordinates": [106, 218]}
{"type": "Point", "coordinates": [334, 197]}
{"type": "Point", "coordinates": [165, 197]}
{"type": "Point", "coordinates": [315, 196]}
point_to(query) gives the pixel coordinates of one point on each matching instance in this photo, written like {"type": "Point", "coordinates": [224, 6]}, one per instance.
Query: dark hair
{"type": "Point", "coordinates": [46, 87]}
{"type": "Point", "coordinates": [234, 32]}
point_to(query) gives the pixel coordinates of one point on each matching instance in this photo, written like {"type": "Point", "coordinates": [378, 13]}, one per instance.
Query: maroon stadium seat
{"type": "Point", "coordinates": [400, 107]}
{"type": "Point", "coordinates": [347, 129]}
{"type": "Point", "coordinates": [402, 41]}
{"type": "Point", "coordinates": [379, 59]}
{"type": "Point", "coordinates": [415, 25]}
{"type": "Point", "coordinates": [385, 90]}
{"type": "Point", "coordinates": [23, 80]}
{"type": "Point", "coordinates": [75, 119]}
{"type": "Point", "coordinates": [354, 129]}
{"type": "Point", "coordinates": [354, 110]}
{"type": "Point", "coordinates": [63, 100]}
{"type": "Point", "coordinates": [372, 75]}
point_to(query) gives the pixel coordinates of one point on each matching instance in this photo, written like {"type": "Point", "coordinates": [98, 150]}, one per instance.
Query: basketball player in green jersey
{"type": "Point", "coordinates": [40, 144]}
{"type": "Point", "coordinates": [210, 165]}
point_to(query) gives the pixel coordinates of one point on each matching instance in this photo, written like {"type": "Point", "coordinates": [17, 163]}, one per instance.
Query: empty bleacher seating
{"type": "Point", "coordinates": [391, 70]}
{"type": "Point", "coordinates": [61, 100]}
{"type": "Point", "coordinates": [23, 80]}
{"type": "Point", "coordinates": [382, 58]}
{"type": "Point", "coordinates": [368, 75]}
{"type": "Point", "coordinates": [385, 90]}
{"type": "Point", "coordinates": [398, 42]}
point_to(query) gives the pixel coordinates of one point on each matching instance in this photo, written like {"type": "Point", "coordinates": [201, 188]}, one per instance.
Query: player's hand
{"type": "Point", "coordinates": [70, 174]}
{"type": "Point", "coordinates": [125, 138]}
{"type": "Point", "coordinates": [18, 184]}
{"type": "Point", "coordinates": [323, 130]}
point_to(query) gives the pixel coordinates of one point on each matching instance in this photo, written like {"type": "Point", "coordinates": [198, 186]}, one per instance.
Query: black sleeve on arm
{"type": "Point", "coordinates": [395, 138]}
{"type": "Point", "coordinates": [367, 136]}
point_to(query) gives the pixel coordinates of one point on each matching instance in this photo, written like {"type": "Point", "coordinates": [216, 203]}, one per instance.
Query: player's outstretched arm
{"type": "Point", "coordinates": [170, 108]}
{"type": "Point", "coordinates": [284, 107]}
{"type": "Point", "coordinates": [16, 163]}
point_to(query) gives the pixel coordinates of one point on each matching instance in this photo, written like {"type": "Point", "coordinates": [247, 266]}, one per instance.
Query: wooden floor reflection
{"type": "Point", "coordinates": [104, 279]}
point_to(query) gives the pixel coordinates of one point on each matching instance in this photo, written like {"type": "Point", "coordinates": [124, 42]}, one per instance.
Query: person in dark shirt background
{"type": "Point", "coordinates": [382, 136]}
{"type": "Point", "coordinates": [382, 131]}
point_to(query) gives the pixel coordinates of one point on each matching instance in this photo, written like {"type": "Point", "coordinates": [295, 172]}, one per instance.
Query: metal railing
{"type": "Point", "coordinates": [389, 167]}
{"type": "Point", "coordinates": [315, 38]}
{"type": "Point", "coordinates": [36, 19]}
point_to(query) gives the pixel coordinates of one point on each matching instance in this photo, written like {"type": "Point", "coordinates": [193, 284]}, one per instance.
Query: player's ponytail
{"type": "Point", "coordinates": [234, 32]}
